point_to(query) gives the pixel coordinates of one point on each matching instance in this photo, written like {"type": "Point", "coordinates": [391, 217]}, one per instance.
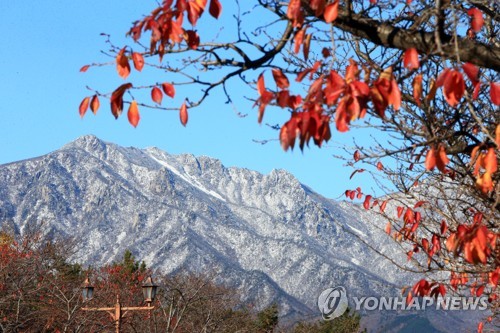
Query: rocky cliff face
{"type": "Point", "coordinates": [267, 235]}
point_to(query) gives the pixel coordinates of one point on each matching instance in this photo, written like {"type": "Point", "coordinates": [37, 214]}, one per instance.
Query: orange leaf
{"type": "Point", "coordinates": [84, 68]}
{"type": "Point", "coordinates": [417, 89]}
{"type": "Point", "coordinates": [477, 20]}
{"type": "Point", "coordinates": [168, 89]}
{"type": "Point", "coordinates": [183, 114]}
{"type": "Point", "coordinates": [122, 65]}
{"type": "Point", "coordinates": [156, 95]}
{"type": "Point", "coordinates": [298, 40]}
{"type": "Point", "coordinates": [94, 104]}
{"type": "Point", "coordinates": [138, 60]}
{"type": "Point", "coordinates": [380, 166]}
{"type": "Point", "coordinates": [454, 87]}
{"type": "Point", "coordinates": [84, 105]}
{"type": "Point", "coordinates": [442, 159]}
{"type": "Point", "coordinates": [215, 8]}
{"type": "Point", "coordinates": [480, 327]}
{"type": "Point", "coordinates": [388, 228]}
{"type": "Point", "coordinates": [485, 183]}
{"type": "Point", "coordinates": [432, 90]}
{"type": "Point", "coordinates": [331, 12]}
{"type": "Point", "coordinates": [133, 114]}
{"type": "Point", "coordinates": [117, 99]}
{"type": "Point", "coordinates": [497, 136]}
{"type": "Point", "coordinates": [383, 205]}
{"type": "Point", "coordinates": [280, 79]}
{"type": "Point", "coordinates": [410, 59]}
{"type": "Point", "coordinates": [495, 92]}
{"type": "Point", "coordinates": [430, 159]}
{"type": "Point", "coordinates": [490, 161]}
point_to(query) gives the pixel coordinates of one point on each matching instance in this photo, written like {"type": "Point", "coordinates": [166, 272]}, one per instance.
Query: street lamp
{"type": "Point", "coordinates": [118, 312]}
{"type": "Point", "coordinates": [149, 290]}
{"type": "Point", "coordinates": [87, 290]}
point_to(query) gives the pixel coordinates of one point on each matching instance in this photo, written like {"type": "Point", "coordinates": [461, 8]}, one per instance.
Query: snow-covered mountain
{"type": "Point", "coordinates": [270, 236]}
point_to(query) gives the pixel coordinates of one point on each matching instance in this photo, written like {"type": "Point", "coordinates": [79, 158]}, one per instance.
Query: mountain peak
{"type": "Point", "coordinates": [86, 141]}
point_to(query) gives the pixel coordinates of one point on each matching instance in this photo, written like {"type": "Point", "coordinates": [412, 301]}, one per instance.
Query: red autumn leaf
{"type": "Point", "coordinates": [380, 166]}
{"type": "Point", "coordinates": [94, 104]}
{"type": "Point", "coordinates": [280, 79]}
{"type": "Point", "coordinates": [298, 40]}
{"type": "Point", "coordinates": [194, 10]}
{"type": "Point", "coordinates": [366, 203]}
{"type": "Point", "coordinates": [417, 89]}
{"type": "Point", "coordinates": [117, 99]}
{"type": "Point", "coordinates": [138, 60]}
{"type": "Point", "coordinates": [293, 11]}
{"type": "Point", "coordinates": [385, 92]}
{"type": "Point", "coordinates": [84, 105]}
{"type": "Point", "coordinates": [192, 39]}
{"type": "Point", "coordinates": [430, 159]}
{"type": "Point", "coordinates": [288, 133]}
{"type": "Point", "coordinates": [472, 72]}
{"type": "Point", "coordinates": [133, 114]}
{"type": "Point", "coordinates": [400, 211]}
{"type": "Point", "coordinates": [444, 227]}
{"type": "Point", "coordinates": [497, 136]}
{"type": "Point", "coordinates": [409, 216]}
{"type": "Point", "coordinates": [325, 52]}
{"type": "Point", "coordinates": [480, 291]}
{"type": "Point", "coordinates": [454, 86]}
{"type": "Point", "coordinates": [420, 204]}
{"type": "Point", "coordinates": [283, 98]}
{"type": "Point", "coordinates": [122, 65]}
{"type": "Point", "coordinates": [261, 85]}
{"type": "Point", "coordinates": [183, 114]}
{"type": "Point", "coordinates": [356, 155]}
{"type": "Point", "coordinates": [410, 59]}
{"type": "Point", "coordinates": [168, 89]}
{"type": "Point", "coordinates": [156, 95]}
{"type": "Point", "coordinates": [331, 12]}
{"type": "Point", "coordinates": [442, 159]}
{"type": "Point", "coordinates": [480, 327]}
{"type": "Point", "coordinates": [307, 45]}
{"type": "Point", "coordinates": [318, 6]}
{"type": "Point", "coordinates": [477, 20]}
{"type": "Point", "coordinates": [388, 228]}
{"type": "Point", "coordinates": [383, 206]}
{"type": "Point", "coordinates": [265, 97]}
{"type": "Point", "coordinates": [425, 244]}
{"type": "Point", "coordinates": [409, 298]}
{"type": "Point", "coordinates": [215, 8]}
{"type": "Point", "coordinates": [84, 68]}
{"type": "Point", "coordinates": [495, 93]}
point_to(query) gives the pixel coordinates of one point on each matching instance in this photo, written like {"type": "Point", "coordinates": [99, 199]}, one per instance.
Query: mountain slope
{"type": "Point", "coordinates": [267, 235]}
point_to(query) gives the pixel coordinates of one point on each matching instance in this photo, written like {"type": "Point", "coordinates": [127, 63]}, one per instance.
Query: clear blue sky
{"type": "Point", "coordinates": [44, 44]}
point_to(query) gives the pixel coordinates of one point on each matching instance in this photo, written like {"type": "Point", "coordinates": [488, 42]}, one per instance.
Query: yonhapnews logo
{"type": "Point", "coordinates": [333, 302]}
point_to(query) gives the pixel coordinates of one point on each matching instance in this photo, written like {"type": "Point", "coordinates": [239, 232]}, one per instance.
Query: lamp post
{"type": "Point", "coordinates": [118, 312]}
